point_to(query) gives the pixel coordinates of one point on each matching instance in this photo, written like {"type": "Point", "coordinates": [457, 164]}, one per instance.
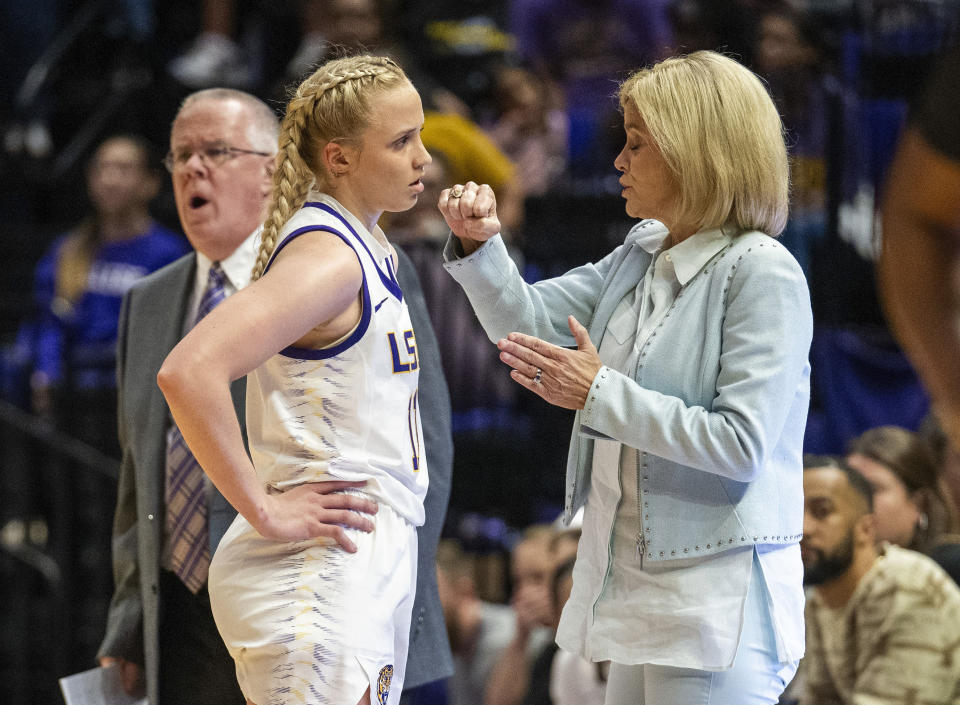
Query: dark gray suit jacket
{"type": "Point", "coordinates": [151, 322]}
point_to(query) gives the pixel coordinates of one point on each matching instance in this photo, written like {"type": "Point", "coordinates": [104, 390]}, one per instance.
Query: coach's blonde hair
{"type": "Point", "coordinates": [721, 137]}
{"type": "Point", "coordinates": [331, 104]}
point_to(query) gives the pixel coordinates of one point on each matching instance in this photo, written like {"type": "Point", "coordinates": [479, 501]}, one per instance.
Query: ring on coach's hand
{"type": "Point", "coordinates": [538, 376]}
{"type": "Point", "coordinates": [457, 191]}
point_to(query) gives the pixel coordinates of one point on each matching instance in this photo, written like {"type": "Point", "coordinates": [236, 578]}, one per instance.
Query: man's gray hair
{"type": "Point", "coordinates": [265, 125]}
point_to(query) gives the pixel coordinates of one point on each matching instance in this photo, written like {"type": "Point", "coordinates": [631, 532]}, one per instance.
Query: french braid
{"type": "Point", "coordinates": [332, 103]}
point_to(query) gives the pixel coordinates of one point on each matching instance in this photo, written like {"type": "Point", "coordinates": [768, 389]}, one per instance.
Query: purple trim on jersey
{"type": "Point", "coordinates": [414, 429]}
{"type": "Point", "coordinates": [312, 353]}
{"type": "Point", "coordinates": [390, 279]}
{"type": "Point", "coordinates": [393, 274]}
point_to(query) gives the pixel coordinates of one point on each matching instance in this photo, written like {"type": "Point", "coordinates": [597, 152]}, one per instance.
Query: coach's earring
{"type": "Point", "coordinates": [923, 522]}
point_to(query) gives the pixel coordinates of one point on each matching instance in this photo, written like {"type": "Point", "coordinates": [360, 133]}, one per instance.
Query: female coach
{"type": "Point", "coordinates": [688, 435]}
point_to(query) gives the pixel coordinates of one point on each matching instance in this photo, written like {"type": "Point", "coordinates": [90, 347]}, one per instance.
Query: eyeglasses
{"type": "Point", "coordinates": [210, 156]}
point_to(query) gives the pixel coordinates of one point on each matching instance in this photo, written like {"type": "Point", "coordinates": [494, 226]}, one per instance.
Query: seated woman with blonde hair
{"type": "Point", "coordinates": [911, 503]}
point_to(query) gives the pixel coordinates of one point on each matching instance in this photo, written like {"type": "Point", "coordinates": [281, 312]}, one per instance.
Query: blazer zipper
{"type": "Point", "coordinates": [641, 539]}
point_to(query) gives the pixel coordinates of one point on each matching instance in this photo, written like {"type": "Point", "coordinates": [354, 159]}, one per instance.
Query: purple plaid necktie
{"type": "Point", "coordinates": [188, 544]}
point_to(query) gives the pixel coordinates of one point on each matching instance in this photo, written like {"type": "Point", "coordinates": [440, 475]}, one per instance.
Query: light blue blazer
{"type": "Point", "coordinates": [718, 402]}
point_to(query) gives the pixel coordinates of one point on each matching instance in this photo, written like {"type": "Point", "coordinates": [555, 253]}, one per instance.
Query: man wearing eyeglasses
{"type": "Point", "coordinates": [160, 630]}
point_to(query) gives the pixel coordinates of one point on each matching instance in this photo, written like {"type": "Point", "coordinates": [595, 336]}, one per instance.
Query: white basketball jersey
{"type": "Point", "coordinates": [349, 411]}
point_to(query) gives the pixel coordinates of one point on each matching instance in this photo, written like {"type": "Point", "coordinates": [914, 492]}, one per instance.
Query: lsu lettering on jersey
{"type": "Point", "coordinates": [349, 411]}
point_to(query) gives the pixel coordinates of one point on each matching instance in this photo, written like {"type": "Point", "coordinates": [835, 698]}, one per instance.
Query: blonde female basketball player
{"type": "Point", "coordinates": [324, 334]}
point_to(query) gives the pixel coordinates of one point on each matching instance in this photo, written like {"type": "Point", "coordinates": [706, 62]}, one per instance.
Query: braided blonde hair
{"type": "Point", "coordinates": [331, 104]}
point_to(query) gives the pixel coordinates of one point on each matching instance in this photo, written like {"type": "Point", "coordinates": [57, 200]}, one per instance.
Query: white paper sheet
{"type": "Point", "coordinates": [98, 686]}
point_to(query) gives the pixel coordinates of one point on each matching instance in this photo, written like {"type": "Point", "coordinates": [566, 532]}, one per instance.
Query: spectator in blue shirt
{"type": "Point", "coordinates": [80, 281]}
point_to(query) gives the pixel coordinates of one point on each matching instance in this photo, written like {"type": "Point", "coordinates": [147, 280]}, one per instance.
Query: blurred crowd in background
{"type": "Point", "coordinates": [519, 94]}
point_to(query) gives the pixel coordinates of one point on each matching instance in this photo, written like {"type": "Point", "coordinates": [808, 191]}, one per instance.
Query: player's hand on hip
{"type": "Point", "coordinates": [471, 213]}
{"type": "Point", "coordinates": [318, 509]}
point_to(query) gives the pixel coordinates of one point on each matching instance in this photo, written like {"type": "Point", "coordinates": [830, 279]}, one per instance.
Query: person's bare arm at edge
{"type": "Point", "coordinates": [509, 679]}
{"type": "Point", "coordinates": [315, 278]}
{"type": "Point", "coordinates": [919, 266]}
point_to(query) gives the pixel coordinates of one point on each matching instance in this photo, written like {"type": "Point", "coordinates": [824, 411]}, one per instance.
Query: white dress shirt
{"type": "Point", "coordinates": [237, 267]}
